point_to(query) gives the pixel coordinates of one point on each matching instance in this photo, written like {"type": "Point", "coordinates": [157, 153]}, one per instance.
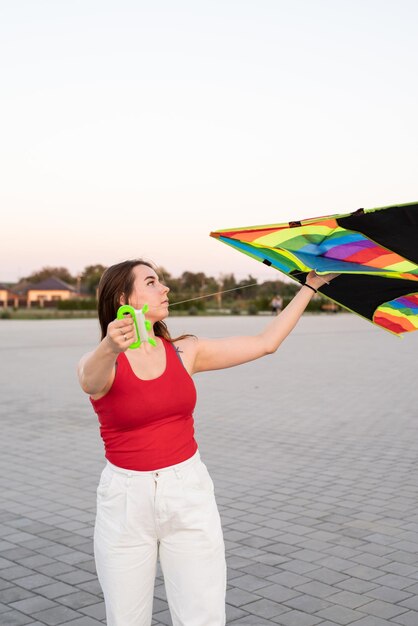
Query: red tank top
{"type": "Point", "coordinates": [148, 424]}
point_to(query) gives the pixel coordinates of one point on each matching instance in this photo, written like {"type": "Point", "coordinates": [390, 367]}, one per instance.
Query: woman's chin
{"type": "Point", "coordinates": [160, 317]}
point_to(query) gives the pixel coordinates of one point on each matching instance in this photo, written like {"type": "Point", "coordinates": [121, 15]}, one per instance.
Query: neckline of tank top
{"type": "Point", "coordinates": [149, 380]}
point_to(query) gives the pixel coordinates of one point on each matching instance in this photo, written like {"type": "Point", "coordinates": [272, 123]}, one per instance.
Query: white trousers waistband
{"type": "Point", "coordinates": [170, 468]}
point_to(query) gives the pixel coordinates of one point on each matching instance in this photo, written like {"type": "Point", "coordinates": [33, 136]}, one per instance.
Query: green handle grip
{"type": "Point", "coordinates": [122, 311]}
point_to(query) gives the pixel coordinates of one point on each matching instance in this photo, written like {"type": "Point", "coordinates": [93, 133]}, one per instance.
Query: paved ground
{"type": "Point", "coordinates": [314, 456]}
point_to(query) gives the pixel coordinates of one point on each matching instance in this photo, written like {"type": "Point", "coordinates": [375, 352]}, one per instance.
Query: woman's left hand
{"type": "Point", "coordinates": [316, 281]}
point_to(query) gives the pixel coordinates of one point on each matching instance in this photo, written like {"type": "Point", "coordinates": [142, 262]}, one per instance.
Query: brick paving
{"type": "Point", "coordinates": [313, 452]}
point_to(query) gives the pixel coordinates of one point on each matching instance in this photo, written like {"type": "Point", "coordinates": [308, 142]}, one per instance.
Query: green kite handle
{"type": "Point", "coordinates": [124, 310]}
{"type": "Point", "coordinates": [142, 326]}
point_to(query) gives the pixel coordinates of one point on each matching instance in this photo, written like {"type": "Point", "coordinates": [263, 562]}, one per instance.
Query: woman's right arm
{"type": "Point", "coordinates": [96, 370]}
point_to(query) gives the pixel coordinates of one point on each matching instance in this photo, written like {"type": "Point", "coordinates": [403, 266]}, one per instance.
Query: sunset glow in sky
{"type": "Point", "coordinates": [135, 128]}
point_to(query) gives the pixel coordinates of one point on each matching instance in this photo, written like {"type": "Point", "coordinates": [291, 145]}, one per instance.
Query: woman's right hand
{"type": "Point", "coordinates": [317, 281]}
{"type": "Point", "coordinates": [120, 334]}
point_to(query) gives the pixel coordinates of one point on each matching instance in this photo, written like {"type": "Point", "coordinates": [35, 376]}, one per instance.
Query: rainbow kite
{"type": "Point", "coordinates": [375, 251]}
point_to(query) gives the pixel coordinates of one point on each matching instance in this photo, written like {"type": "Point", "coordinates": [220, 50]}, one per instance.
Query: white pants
{"type": "Point", "coordinates": [172, 512]}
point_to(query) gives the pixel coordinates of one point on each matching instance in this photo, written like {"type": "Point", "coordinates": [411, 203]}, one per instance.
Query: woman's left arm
{"type": "Point", "coordinates": [212, 354]}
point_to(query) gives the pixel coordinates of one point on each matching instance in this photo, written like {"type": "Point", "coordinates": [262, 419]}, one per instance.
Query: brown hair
{"type": "Point", "coordinates": [117, 281]}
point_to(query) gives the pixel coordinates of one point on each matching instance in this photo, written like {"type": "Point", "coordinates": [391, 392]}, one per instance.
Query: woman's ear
{"type": "Point", "coordinates": [122, 299]}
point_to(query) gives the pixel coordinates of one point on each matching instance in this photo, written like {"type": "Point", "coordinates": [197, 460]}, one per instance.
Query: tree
{"type": "Point", "coordinates": [90, 277]}
{"type": "Point", "coordinates": [193, 282]}
{"type": "Point", "coordinates": [247, 292]}
{"type": "Point", "coordinates": [227, 281]}
{"type": "Point", "coordinates": [46, 272]}
{"type": "Point", "coordinates": [164, 275]}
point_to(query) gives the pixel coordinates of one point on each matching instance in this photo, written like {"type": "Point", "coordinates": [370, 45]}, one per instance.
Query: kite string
{"type": "Point", "coordinates": [217, 293]}
{"type": "Point", "coordinates": [213, 294]}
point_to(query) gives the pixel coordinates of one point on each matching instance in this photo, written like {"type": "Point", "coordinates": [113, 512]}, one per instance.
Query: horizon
{"type": "Point", "coordinates": [280, 276]}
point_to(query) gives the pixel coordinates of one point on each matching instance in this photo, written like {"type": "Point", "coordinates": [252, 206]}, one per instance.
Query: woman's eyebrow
{"type": "Point", "coordinates": [148, 277]}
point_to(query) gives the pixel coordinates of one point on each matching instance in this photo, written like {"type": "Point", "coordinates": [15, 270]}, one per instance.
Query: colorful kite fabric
{"type": "Point", "coordinates": [374, 251]}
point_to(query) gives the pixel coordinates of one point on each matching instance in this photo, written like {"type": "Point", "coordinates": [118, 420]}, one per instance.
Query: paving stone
{"type": "Point", "coordinates": [14, 594]}
{"type": "Point", "coordinates": [282, 549]}
{"type": "Point", "coordinates": [16, 572]}
{"type": "Point", "coordinates": [356, 585]}
{"type": "Point", "coordinates": [88, 566]}
{"type": "Point", "coordinates": [15, 554]}
{"type": "Point", "coordinates": [75, 576]}
{"type": "Point", "coordinates": [407, 619]}
{"type": "Point", "coordinates": [260, 570]}
{"type": "Point", "coordinates": [383, 609]}
{"type": "Point", "coordinates": [36, 561]}
{"type": "Point", "coordinates": [256, 542]}
{"type": "Point", "coordinates": [55, 569]}
{"type": "Point", "coordinates": [55, 549]}
{"type": "Point", "coordinates": [307, 555]}
{"type": "Point", "coordinates": [265, 608]}
{"type": "Point", "coordinates": [288, 579]}
{"type": "Point", "coordinates": [389, 594]}
{"type": "Point", "coordinates": [78, 599]}
{"type": "Point", "coordinates": [392, 580]}
{"type": "Point", "coordinates": [349, 599]}
{"type": "Point", "coordinates": [98, 611]}
{"type": "Point", "coordinates": [91, 586]}
{"type": "Point", "coordinates": [296, 618]}
{"type": "Point", "coordinates": [277, 593]}
{"type": "Point", "coordinates": [246, 552]}
{"type": "Point", "coordinates": [34, 581]}
{"type": "Point", "coordinates": [327, 576]}
{"type": "Point", "coordinates": [299, 567]}
{"type": "Point", "coordinates": [14, 618]}
{"type": "Point", "coordinates": [73, 557]}
{"type": "Point", "coordinates": [56, 615]}
{"type": "Point", "coordinates": [404, 557]}
{"type": "Point", "coordinates": [250, 583]}
{"type": "Point", "coordinates": [238, 597]}
{"type": "Point", "coordinates": [340, 615]}
{"type": "Point", "coordinates": [317, 589]}
{"type": "Point", "coordinates": [4, 608]}
{"type": "Point", "coordinates": [306, 603]}
{"type": "Point", "coordinates": [371, 560]}
{"type": "Point", "coordinates": [366, 573]}
{"type": "Point", "coordinates": [269, 558]}
{"type": "Point", "coordinates": [32, 605]}
{"type": "Point", "coordinates": [410, 603]}
{"type": "Point", "coordinates": [55, 590]}
{"type": "Point", "coordinates": [233, 613]}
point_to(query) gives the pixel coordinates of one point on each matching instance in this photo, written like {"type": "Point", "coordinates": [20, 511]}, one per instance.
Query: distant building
{"type": "Point", "coordinates": [8, 298]}
{"type": "Point", "coordinates": [45, 293]}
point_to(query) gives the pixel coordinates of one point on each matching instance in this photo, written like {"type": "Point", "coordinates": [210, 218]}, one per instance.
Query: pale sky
{"type": "Point", "coordinates": [134, 128]}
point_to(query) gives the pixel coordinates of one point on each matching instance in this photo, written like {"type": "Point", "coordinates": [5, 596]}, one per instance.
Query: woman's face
{"type": "Point", "coordinates": [148, 290]}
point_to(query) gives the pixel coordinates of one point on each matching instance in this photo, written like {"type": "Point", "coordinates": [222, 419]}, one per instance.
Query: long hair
{"type": "Point", "coordinates": [118, 280]}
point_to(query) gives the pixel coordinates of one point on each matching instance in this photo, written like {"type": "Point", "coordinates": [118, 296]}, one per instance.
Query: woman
{"type": "Point", "coordinates": [155, 496]}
